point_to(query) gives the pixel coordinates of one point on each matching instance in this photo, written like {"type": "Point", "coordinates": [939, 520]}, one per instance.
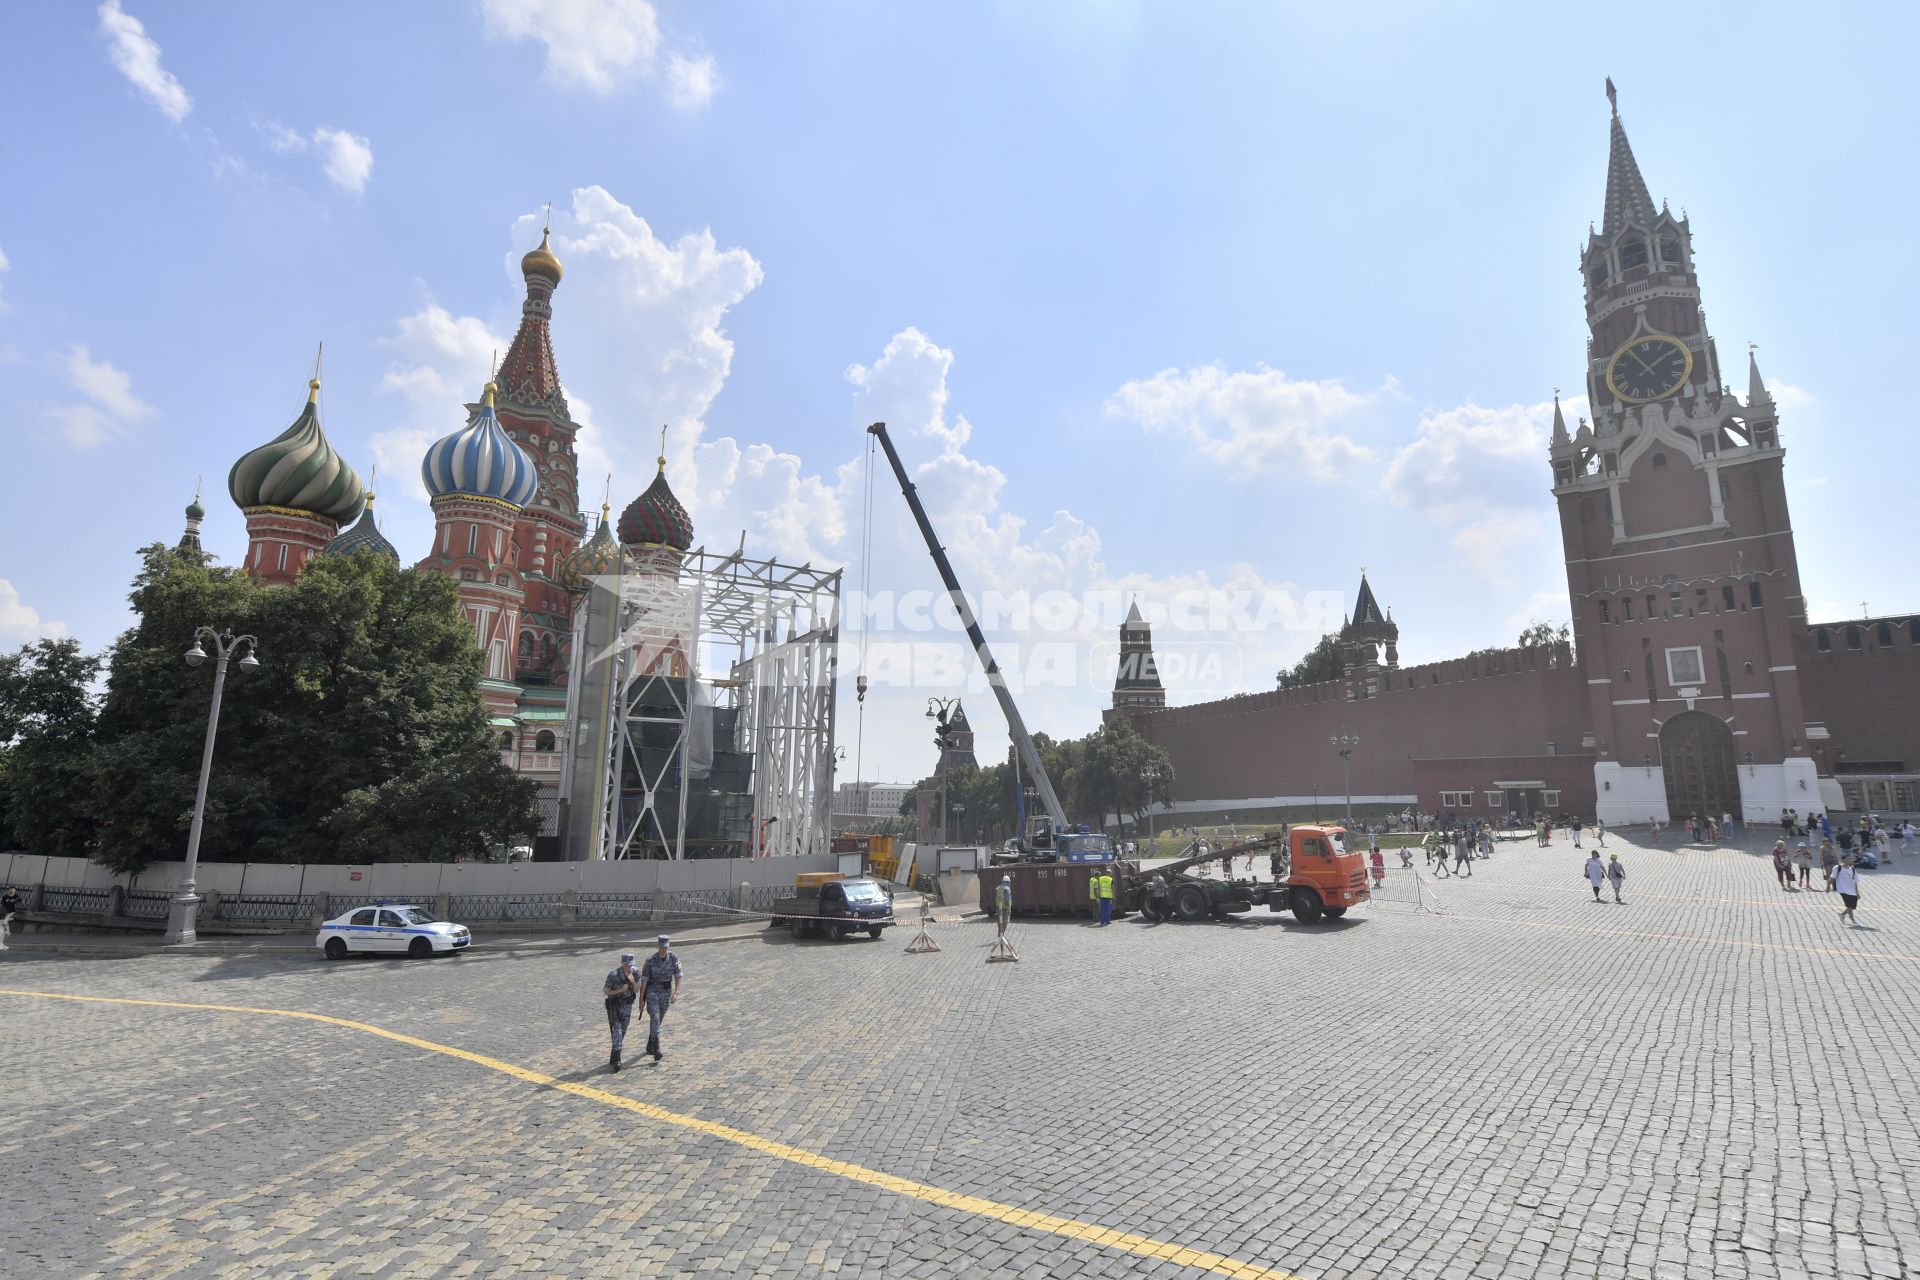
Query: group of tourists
{"type": "Point", "coordinates": [1868, 839]}
{"type": "Point", "coordinates": [1460, 844]}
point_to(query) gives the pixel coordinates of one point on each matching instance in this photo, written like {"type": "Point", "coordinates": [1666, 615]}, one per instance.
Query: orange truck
{"type": "Point", "coordinates": [1321, 873]}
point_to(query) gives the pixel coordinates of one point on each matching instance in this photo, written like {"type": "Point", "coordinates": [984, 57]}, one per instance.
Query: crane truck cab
{"type": "Point", "coordinates": [1327, 874]}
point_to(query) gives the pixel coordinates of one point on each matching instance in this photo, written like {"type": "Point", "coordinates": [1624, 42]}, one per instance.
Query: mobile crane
{"type": "Point", "coordinates": [1053, 839]}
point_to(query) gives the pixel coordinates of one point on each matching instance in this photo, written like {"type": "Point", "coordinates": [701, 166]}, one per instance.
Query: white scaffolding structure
{"type": "Point", "coordinates": [774, 629]}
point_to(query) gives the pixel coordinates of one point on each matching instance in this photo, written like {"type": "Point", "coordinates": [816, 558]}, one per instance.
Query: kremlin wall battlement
{"type": "Point", "coordinates": [1510, 704]}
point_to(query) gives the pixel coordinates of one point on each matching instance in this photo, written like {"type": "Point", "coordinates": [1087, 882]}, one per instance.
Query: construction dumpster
{"type": "Point", "coordinates": [1051, 888]}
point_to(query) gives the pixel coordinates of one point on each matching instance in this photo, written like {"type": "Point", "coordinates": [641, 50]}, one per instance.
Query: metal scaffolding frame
{"type": "Point", "coordinates": [774, 629]}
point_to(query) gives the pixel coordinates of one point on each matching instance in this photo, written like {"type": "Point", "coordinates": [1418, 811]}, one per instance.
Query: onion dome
{"type": "Point", "coordinates": [197, 512]}
{"type": "Point", "coordinates": [597, 556]}
{"type": "Point", "coordinates": [541, 262]}
{"type": "Point", "coordinates": [656, 518]}
{"type": "Point", "coordinates": [299, 471]}
{"type": "Point", "coordinates": [365, 535]}
{"type": "Point", "coordinates": [481, 461]}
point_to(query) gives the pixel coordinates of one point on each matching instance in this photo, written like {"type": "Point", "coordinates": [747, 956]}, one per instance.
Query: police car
{"type": "Point", "coordinates": [391, 927]}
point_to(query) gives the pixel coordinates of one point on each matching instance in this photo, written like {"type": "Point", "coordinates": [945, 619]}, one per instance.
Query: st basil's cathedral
{"type": "Point", "coordinates": [505, 495]}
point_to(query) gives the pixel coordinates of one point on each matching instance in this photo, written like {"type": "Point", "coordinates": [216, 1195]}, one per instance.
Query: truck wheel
{"type": "Point", "coordinates": [797, 929]}
{"type": "Point", "coordinates": [336, 949]}
{"type": "Point", "coordinates": [874, 932]}
{"type": "Point", "coordinates": [1190, 902]}
{"type": "Point", "coordinates": [1334, 913]}
{"type": "Point", "coordinates": [1149, 908]}
{"type": "Point", "coordinates": [836, 931]}
{"type": "Point", "coordinates": [1306, 906]}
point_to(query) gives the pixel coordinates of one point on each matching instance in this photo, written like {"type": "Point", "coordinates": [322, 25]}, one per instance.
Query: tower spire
{"type": "Point", "coordinates": [1757, 393]}
{"type": "Point", "coordinates": [1559, 419]}
{"type": "Point", "coordinates": [1627, 198]}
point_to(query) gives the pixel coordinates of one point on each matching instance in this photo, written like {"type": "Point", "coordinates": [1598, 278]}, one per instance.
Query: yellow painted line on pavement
{"type": "Point", "coordinates": [1013, 1215]}
{"type": "Point", "coordinates": [1652, 936]}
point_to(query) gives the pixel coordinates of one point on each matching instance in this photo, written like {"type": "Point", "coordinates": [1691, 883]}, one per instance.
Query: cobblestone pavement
{"type": "Point", "coordinates": [1713, 1079]}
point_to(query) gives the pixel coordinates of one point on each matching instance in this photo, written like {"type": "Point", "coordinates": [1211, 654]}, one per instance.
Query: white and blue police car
{"type": "Point", "coordinates": [402, 928]}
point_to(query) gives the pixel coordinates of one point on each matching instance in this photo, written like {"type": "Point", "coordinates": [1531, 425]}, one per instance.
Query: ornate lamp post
{"type": "Point", "coordinates": [184, 911]}
{"type": "Point", "coordinates": [940, 711]}
{"type": "Point", "coordinates": [1151, 776]}
{"type": "Point", "coordinates": [1345, 741]}
{"type": "Point", "coordinates": [959, 817]}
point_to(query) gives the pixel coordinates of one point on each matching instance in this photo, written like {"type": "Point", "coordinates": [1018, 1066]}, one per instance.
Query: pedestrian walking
{"type": "Point", "coordinates": [1847, 881]}
{"type": "Point", "coordinates": [1486, 841]}
{"type": "Point", "coordinates": [1105, 881]}
{"type": "Point", "coordinates": [9, 903]}
{"type": "Point", "coordinates": [1437, 851]}
{"type": "Point", "coordinates": [1616, 873]}
{"type": "Point", "coordinates": [1596, 873]}
{"type": "Point", "coordinates": [1906, 837]}
{"type": "Point", "coordinates": [1884, 841]}
{"type": "Point", "coordinates": [1829, 863]}
{"type": "Point", "coordinates": [620, 990]}
{"type": "Point", "coordinates": [1406, 855]}
{"type": "Point", "coordinates": [1726, 825]}
{"type": "Point", "coordinates": [1462, 853]}
{"type": "Point", "coordinates": [1653, 830]}
{"type": "Point", "coordinates": [660, 977]}
{"type": "Point", "coordinates": [1782, 865]}
{"type": "Point", "coordinates": [1803, 865]}
{"type": "Point", "coordinates": [1576, 831]}
{"type": "Point", "coordinates": [1379, 862]}
{"type": "Point", "coordinates": [1600, 833]}
{"type": "Point", "coordinates": [1003, 902]}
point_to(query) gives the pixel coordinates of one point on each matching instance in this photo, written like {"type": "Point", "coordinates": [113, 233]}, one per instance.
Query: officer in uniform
{"type": "Point", "coordinates": [619, 991]}
{"type": "Point", "coordinates": [660, 977]}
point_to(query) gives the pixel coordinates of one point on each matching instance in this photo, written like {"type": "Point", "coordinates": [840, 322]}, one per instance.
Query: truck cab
{"type": "Point", "coordinates": [836, 905]}
{"type": "Point", "coordinates": [1328, 874]}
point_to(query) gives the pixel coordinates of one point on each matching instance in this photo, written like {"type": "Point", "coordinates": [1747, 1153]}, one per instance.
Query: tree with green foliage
{"type": "Point", "coordinates": [48, 712]}
{"type": "Point", "coordinates": [1321, 663]}
{"type": "Point", "coordinates": [362, 736]}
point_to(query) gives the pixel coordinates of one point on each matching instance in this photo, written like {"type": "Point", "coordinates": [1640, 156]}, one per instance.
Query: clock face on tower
{"type": "Point", "coordinates": [1649, 368]}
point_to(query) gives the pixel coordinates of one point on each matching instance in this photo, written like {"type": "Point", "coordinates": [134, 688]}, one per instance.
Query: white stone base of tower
{"type": "Point", "coordinates": [1628, 795]}
{"type": "Point", "coordinates": [1766, 789]}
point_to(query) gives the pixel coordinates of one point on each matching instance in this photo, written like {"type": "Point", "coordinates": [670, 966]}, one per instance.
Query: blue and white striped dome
{"type": "Point", "coordinates": [481, 461]}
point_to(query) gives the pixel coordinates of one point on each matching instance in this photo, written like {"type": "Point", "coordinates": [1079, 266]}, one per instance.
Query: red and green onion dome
{"type": "Point", "coordinates": [596, 557]}
{"type": "Point", "coordinates": [365, 535]}
{"type": "Point", "coordinates": [656, 518]}
{"type": "Point", "coordinates": [299, 471]}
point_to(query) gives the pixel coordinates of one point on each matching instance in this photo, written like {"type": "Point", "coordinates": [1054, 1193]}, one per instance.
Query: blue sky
{"type": "Point", "coordinates": [1158, 297]}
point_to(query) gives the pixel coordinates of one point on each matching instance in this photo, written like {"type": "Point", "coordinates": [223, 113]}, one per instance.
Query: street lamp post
{"type": "Point", "coordinates": [940, 711]}
{"type": "Point", "coordinates": [1345, 741]}
{"type": "Point", "coordinates": [959, 817]}
{"type": "Point", "coordinates": [183, 912]}
{"type": "Point", "coordinates": [1151, 776]}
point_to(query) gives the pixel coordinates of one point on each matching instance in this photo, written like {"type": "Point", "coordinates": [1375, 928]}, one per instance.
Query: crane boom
{"type": "Point", "coordinates": [1022, 742]}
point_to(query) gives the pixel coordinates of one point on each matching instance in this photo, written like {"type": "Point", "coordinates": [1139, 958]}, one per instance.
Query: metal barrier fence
{"type": "Point", "coordinates": [84, 902]}
{"type": "Point", "coordinates": [465, 907]}
{"type": "Point", "coordinates": [614, 906]}
{"type": "Point", "coordinates": [145, 906]}
{"type": "Point", "coordinates": [287, 910]}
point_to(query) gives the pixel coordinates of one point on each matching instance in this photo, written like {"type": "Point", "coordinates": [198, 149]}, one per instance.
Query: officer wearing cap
{"type": "Point", "coordinates": [660, 979]}
{"type": "Point", "coordinates": [619, 992]}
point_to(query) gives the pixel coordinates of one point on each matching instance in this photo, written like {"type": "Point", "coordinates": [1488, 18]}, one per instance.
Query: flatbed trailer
{"type": "Point", "coordinates": [1320, 876]}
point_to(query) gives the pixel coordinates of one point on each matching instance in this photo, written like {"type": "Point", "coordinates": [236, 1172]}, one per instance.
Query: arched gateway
{"type": "Point", "coordinates": [1696, 753]}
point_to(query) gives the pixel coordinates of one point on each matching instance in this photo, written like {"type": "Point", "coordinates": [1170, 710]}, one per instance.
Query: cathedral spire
{"type": "Point", "coordinates": [1560, 436]}
{"type": "Point", "coordinates": [528, 374]}
{"type": "Point", "coordinates": [1627, 198]}
{"type": "Point", "coordinates": [1757, 393]}
{"type": "Point", "coordinates": [1365, 608]}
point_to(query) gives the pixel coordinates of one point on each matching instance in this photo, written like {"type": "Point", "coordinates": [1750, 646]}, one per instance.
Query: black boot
{"type": "Point", "coordinates": [614, 1063]}
{"type": "Point", "coordinates": [653, 1047]}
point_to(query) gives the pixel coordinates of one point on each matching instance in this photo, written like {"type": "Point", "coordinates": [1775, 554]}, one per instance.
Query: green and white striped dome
{"type": "Point", "coordinates": [298, 470]}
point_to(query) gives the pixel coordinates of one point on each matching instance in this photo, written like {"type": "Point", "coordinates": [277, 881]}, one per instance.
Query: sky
{"type": "Point", "coordinates": [1208, 305]}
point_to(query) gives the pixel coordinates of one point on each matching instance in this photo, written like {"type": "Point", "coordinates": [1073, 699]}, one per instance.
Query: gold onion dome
{"type": "Point", "coordinates": [541, 262]}
{"type": "Point", "coordinates": [596, 557]}
{"type": "Point", "coordinates": [298, 470]}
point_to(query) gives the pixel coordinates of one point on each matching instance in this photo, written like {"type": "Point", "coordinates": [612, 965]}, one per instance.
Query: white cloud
{"type": "Point", "coordinates": [603, 45]}
{"type": "Point", "coordinates": [690, 83]}
{"type": "Point", "coordinates": [346, 157]}
{"type": "Point", "coordinates": [442, 363]}
{"type": "Point", "coordinates": [113, 405]}
{"type": "Point", "coordinates": [20, 623]}
{"type": "Point", "coordinates": [1250, 421]}
{"type": "Point", "coordinates": [137, 57]}
{"type": "Point", "coordinates": [5, 266]}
